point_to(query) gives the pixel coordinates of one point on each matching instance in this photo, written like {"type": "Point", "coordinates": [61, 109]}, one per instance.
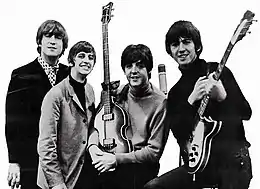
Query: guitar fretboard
{"type": "Point", "coordinates": [107, 102]}
{"type": "Point", "coordinates": [216, 76]}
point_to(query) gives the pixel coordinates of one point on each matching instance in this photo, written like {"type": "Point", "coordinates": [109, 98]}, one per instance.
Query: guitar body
{"type": "Point", "coordinates": [113, 129]}
{"type": "Point", "coordinates": [200, 144]}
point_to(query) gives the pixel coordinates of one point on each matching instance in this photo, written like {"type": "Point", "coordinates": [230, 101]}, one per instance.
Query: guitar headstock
{"type": "Point", "coordinates": [243, 27]}
{"type": "Point", "coordinates": [106, 13]}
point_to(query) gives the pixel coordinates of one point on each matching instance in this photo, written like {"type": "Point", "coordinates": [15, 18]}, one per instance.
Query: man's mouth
{"type": "Point", "coordinates": [134, 77]}
{"type": "Point", "coordinates": [85, 65]}
{"type": "Point", "coordinates": [182, 56]}
{"type": "Point", "coordinates": [53, 48]}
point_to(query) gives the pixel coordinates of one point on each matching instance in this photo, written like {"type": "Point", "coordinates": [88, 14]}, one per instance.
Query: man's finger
{"type": "Point", "coordinates": [13, 181]}
{"type": "Point", "coordinates": [17, 180]}
{"type": "Point", "coordinates": [97, 166]}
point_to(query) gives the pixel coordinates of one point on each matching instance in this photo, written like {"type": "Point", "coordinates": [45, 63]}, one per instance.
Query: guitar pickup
{"type": "Point", "coordinates": [108, 117]}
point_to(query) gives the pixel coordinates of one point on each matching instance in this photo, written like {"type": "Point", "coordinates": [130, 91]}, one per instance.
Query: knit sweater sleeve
{"type": "Point", "coordinates": [235, 101]}
{"type": "Point", "coordinates": [180, 115]}
{"type": "Point", "coordinates": [155, 142]}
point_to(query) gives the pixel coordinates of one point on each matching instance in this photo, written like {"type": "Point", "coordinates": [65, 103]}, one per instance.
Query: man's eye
{"type": "Point", "coordinates": [128, 65]}
{"type": "Point", "coordinates": [48, 35]}
{"type": "Point", "coordinates": [58, 36]}
{"type": "Point", "coordinates": [174, 44]}
{"type": "Point", "coordinates": [186, 41]}
{"type": "Point", "coordinates": [90, 57]}
{"type": "Point", "coordinates": [140, 65]}
{"type": "Point", "coordinates": [81, 56]}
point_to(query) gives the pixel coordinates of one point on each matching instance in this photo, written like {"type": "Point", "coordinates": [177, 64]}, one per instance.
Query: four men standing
{"type": "Point", "coordinates": [68, 144]}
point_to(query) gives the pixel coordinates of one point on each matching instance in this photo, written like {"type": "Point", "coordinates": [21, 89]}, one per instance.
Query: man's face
{"type": "Point", "coordinates": [51, 45]}
{"type": "Point", "coordinates": [84, 63]}
{"type": "Point", "coordinates": [136, 74]}
{"type": "Point", "coordinates": [183, 51]}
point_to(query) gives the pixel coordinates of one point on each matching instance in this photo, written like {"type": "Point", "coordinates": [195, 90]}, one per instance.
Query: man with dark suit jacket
{"type": "Point", "coordinates": [27, 88]}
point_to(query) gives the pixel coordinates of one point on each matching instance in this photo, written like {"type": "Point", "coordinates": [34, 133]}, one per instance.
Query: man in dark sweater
{"type": "Point", "coordinates": [229, 164]}
{"type": "Point", "coordinates": [26, 90]}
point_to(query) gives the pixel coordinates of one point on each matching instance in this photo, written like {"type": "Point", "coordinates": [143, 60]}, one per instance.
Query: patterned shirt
{"type": "Point", "coordinates": [51, 71]}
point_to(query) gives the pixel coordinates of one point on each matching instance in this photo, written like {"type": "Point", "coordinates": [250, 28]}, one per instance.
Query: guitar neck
{"type": "Point", "coordinates": [221, 65]}
{"type": "Point", "coordinates": [106, 95]}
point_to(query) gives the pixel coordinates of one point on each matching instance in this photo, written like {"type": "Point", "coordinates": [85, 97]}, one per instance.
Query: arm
{"type": "Point", "coordinates": [47, 142]}
{"type": "Point", "coordinates": [13, 111]}
{"type": "Point", "coordinates": [235, 98]}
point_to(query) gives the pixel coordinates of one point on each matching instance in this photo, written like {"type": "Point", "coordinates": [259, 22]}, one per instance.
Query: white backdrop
{"type": "Point", "coordinates": [135, 21]}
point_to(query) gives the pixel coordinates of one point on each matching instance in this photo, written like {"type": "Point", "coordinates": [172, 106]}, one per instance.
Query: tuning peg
{"type": "Point", "coordinates": [112, 15]}
{"type": "Point", "coordinates": [254, 20]}
{"type": "Point", "coordinates": [112, 9]}
{"type": "Point", "coordinates": [249, 32]}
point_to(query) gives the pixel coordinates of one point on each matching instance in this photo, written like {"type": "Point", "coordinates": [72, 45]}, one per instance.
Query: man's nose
{"type": "Point", "coordinates": [181, 47]}
{"type": "Point", "coordinates": [134, 69]}
{"type": "Point", "coordinates": [53, 39]}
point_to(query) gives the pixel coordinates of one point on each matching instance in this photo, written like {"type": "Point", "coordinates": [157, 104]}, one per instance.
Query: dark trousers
{"type": "Point", "coordinates": [29, 178]}
{"type": "Point", "coordinates": [235, 173]}
{"type": "Point", "coordinates": [129, 176]}
{"type": "Point", "coordinates": [88, 178]}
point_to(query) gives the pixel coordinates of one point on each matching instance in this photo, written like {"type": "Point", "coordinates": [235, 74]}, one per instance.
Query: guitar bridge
{"type": "Point", "coordinates": [109, 144]}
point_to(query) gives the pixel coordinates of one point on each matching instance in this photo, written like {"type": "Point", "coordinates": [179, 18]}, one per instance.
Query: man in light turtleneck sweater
{"type": "Point", "coordinates": [229, 164]}
{"type": "Point", "coordinates": [66, 121]}
{"type": "Point", "coordinates": [145, 105]}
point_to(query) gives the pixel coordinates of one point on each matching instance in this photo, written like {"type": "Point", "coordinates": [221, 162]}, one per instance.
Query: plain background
{"type": "Point", "coordinates": [134, 22]}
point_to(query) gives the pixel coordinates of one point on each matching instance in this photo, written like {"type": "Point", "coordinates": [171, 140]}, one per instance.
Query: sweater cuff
{"type": "Point", "coordinates": [122, 158]}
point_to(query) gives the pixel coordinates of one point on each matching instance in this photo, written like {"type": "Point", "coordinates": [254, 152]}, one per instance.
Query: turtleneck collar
{"type": "Point", "coordinates": [141, 92]}
{"type": "Point", "coordinates": [76, 84]}
{"type": "Point", "coordinates": [193, 68]}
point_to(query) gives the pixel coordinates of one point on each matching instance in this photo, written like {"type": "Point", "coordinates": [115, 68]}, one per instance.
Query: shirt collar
{"type": "Point", "coordinates": [47, 67]}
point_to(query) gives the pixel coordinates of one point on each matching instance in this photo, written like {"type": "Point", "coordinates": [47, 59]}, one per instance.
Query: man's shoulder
{"type": "Point", "coordinates": [29, 67]}
{"type": "Point", "coordinates": [58, 90]}
{"type": "Point", "coordinates": [158, 93]}
{"type": "Point", "coordinates": [63, 66]}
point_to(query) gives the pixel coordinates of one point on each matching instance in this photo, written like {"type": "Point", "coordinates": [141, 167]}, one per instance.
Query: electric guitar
{"type": "Point", "coordinates": [206, 129]}
{"type": "Point", "coordinates": [111, 120]}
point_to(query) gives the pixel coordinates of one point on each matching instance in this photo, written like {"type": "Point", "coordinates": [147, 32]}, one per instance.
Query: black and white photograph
{"type": "Point", "coordinates": [129, 94]}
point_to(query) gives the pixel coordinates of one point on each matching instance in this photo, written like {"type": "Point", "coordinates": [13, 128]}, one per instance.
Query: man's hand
{"type": "Point", "coordinates": [60, 186]}
{"type": "Point", "coordinates": [216, 89]}
{"type": "Point", "coordinates": [95, 152]}
{"type": "Point", "coordinates": [199, 90]}
{"type": "Point", "coordinates": [14, 173]}
{"type": "Point", "coordinates": [106, 162]}
{"type": "Point", "coordinates": [207, 85]}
